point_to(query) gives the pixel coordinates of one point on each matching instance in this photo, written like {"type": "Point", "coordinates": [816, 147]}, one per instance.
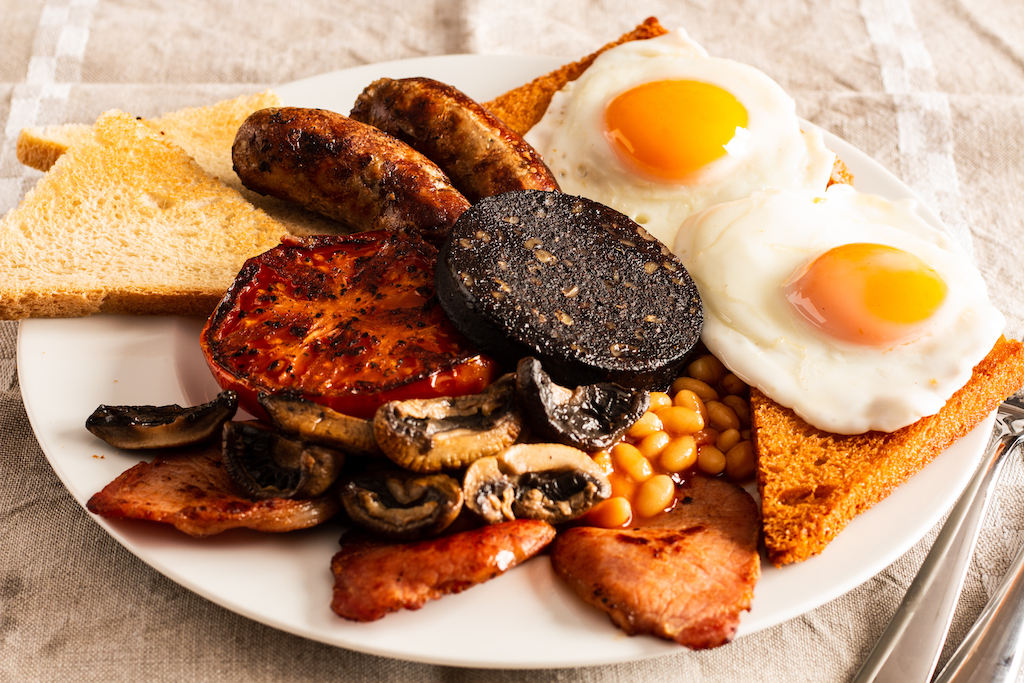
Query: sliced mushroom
{"type": "Point", "coordinates": [266, 464]}
{"type": "Point", "coordinates": [428, 435]}
{"type": "Point", "coordinates": [135, 427]}
{"type": "Point", "coordinates": [590, 418]}
{"type": "Point", "coordinates": [551, 482]}
{"type": "Point", "coordinates": [401, 506]}
{"type": "Point", "coordinates": [319, 424]}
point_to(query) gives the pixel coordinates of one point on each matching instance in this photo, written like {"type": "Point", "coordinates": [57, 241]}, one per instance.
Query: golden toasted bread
{"type": "Point", "coordinates": [813, 483]}
{"type": "Point", "coordinates": [206, 133]}
{"type": "Point", "coordinates": [126, 222]}
{"type": "Point", "coordinates": [523, 107]}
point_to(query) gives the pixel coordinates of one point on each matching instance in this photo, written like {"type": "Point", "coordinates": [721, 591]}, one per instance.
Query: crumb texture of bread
{"type": "Point", "coordinates": [126, 222]}
{"type": "Point", "coordinates": [812, 483]}
{"type": "Point", "coordinates": [524, 106]}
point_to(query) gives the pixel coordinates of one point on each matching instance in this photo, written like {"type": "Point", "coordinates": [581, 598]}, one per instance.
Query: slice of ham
{"type": "Point", "coordinates": [686, 577]}
{"type": "Point", "coordinates": [372, 579]}
{"type": "Point", "coordinates": [191, 490]}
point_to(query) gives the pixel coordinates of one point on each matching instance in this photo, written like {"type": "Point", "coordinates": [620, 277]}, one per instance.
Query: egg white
{"type": "Point", "coordinates": [771, 152]}
{"type": "Point", "coordinates": [741, 254]}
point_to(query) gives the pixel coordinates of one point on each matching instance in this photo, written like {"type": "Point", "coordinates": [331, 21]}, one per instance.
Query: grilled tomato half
{"type": "Point", "coordinates": [348, 322]}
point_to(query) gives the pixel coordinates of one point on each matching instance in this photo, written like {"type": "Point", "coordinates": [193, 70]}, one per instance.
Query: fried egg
{"type": "Point", "coordinates": [658, 130]}
{"type": "Point", "coordinates": [850, 309]}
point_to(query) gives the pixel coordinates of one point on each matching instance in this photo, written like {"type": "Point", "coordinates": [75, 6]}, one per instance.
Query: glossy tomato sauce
{"type": "Point", "coordinates": [349, 322]}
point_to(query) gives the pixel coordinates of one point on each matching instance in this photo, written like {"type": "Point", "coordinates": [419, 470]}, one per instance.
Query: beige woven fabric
{"type": "Point", "coordinates": [932, 89]}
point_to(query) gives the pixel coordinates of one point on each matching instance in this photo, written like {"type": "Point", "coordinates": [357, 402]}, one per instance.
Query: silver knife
{"type": "Point", "coordinates": [910, 647]}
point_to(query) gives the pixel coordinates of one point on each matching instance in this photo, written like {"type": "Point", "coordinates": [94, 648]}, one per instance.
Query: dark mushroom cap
{"type": "Point", "coordinates": [312, 422]}
{"type": "Point", "coordinates": [266, 464]}
{"type": "Point", "coordinates": [401, 506]}
{"type": "Point", "coordinates": [429, 435]}
{"type": "Point", "coordinates": [550, 482]}
{"type": "Point", "coordinates": [171, 426]}
{"type": "Point", "coordinates": [590, 418]}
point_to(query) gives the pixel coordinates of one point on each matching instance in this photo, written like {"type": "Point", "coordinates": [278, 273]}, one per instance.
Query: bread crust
{"type": "Point", "coordinates": [524, 106]}
{"type": "Point", "coordinates": [812, 483]}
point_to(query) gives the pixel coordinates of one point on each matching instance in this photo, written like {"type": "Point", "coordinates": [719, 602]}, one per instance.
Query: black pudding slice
{"type": "Point", "coordinates": [578, 285]}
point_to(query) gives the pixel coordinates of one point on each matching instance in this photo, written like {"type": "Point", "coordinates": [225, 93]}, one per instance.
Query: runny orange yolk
{"type": "Point", "coordinates": [867, 294]}
{"type": "Point", "coordinates": [668, 129]}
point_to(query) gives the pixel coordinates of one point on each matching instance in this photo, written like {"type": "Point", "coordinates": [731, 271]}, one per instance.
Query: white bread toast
{"type": "Point", "coordinates": [205, 133]}
{"type": "Point", "coordinates": [126, 221]}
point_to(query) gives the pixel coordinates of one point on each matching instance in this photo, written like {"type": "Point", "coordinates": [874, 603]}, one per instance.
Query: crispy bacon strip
{"type": "Point", "coordinates": [372, 579]}
{"type": "Point", "coordinates": [686, 577]}
{"type": "Point", "coordinates": [192, 491]}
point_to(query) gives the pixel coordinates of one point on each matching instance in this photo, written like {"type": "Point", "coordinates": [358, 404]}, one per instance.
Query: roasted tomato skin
{"type": "Point", "coordinates": [349, 322]}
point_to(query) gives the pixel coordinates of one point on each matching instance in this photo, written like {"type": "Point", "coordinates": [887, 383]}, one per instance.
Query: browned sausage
{"type": "Point", "coordinates": [480, 154]}
{"type": "Point", "coordinates": [346, 170]}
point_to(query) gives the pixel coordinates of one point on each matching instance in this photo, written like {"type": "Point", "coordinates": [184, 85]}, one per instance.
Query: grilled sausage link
{"type": "Point", "coordinates": [480, 154]}
{"type": "Point", "coordinates": [345, 170]}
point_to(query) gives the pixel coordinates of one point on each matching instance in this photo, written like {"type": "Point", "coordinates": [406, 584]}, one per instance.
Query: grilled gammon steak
{"type": "Point", "coordinates": [686, 577]}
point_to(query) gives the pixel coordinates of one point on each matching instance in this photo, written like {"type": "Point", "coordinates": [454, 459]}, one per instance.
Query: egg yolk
{"type": "Point", "coordinates": [671, 128]}
{"type": "Point", "coordinates": [867, 294]}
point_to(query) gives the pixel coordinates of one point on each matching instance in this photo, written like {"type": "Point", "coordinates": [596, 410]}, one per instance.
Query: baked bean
{"type": "Point", "coordinates": [652, 444]}
{"type": "Point", "coordinates": [647, 424]}
{"type": "Point", "coordinates": [679, 454]}
{"type": "Point", "coordinates": [740, 407]}
{"type": "Point", "coordinates": [613, 513]}
{"type": "Point", "coordinates": [659, 399]}
{"type": "Point", "coordinates": [708, 435]}
{"type": "Point", "coordinates": [740, 461]}
{"type": "Point", "coordinates": [622, 486]}
{"type": "Point", "coordinates": [630, 461]}
{"type": "Point", "coordinates": [688, 399]}
{"type": "Point", "coordinates": [727, 439]}
{"type": "Point", "coordinates": [733, 385]}
{"type": "Point", "coordinates": [702, 389]}
{"type": "Point", "coordinates": [721, 416]}
{"type": "Point", "coordinates": [710, 460]}
{"type": "Point", "coordinates": [680, 420]}
{"type": "Point", "coordinates": [654, 495]}
{"type": "Point", "coordinates": [707, 369]}
{"type": "Point", "coordinates": [604, 460]}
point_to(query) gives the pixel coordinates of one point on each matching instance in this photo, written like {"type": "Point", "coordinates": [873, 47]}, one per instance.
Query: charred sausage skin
{"type": "Point", "coordinates": [345, 170]}
{"type": "Point", "coordinates": [480, 154]}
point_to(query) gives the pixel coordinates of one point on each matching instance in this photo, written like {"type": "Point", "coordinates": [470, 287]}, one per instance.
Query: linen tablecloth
{"type": "Point", "coordinates": [932, 89]}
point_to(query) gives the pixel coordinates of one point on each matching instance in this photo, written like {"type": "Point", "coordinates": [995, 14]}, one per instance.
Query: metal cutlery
{"type": "Point", "coordinates": [910, 647]}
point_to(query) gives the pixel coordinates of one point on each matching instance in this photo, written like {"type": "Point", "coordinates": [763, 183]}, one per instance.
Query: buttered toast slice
{"type": "Point", "coordinates": [126, 222]}
{"type": "Point", "coordinates": [813, 483]}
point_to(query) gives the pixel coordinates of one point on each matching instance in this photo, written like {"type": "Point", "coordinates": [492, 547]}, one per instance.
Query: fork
{"type": "Point", "coordinates": [910, 647]}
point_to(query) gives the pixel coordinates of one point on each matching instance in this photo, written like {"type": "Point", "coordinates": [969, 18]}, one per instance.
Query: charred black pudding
{"type": "Point", "coordinates": [578, 285]}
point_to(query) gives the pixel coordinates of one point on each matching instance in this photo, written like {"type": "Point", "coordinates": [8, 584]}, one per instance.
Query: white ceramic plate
{"type": "Point", "coordinates": [524, 619]}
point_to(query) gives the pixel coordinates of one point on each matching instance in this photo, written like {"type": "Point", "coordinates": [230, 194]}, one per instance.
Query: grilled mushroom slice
{"type": "Point", "coordinates": [401, 506]}
{"type": "Point", "coordinates": [304, 419]}
{"type": "Point", "coordinates": [550, 482]}
{"type": "Point", "coordinates": [136, 427]}
{"type": "Point", "coordinates": [429, 435]}
{"type": "Point", "coordinates": [266, 464]}
{"type": "Point", "coordinates": [590, 417]}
